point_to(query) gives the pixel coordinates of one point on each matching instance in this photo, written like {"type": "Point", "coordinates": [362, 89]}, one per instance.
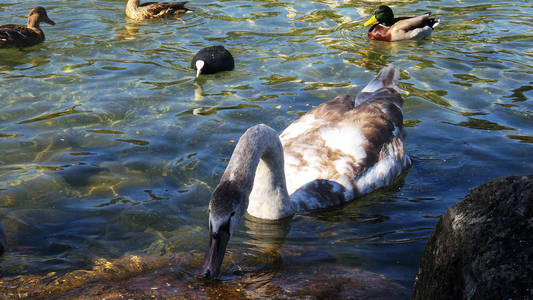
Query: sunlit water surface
{"type": "Point", "coordinates": [109, 147]}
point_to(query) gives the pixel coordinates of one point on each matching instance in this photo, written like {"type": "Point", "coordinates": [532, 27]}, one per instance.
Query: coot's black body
{"type": "Point", "coordinates": [215, 58]}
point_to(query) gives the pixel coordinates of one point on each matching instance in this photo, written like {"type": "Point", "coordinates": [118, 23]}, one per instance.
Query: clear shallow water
{"type": "Point", "coordinates": [108, 146]}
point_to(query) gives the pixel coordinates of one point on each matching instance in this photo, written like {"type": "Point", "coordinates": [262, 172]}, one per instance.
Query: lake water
{"type": "Point", "coordinates": [109, 147]}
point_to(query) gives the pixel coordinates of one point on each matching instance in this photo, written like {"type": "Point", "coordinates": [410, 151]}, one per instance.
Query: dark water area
{"type": "Point", "coordinates": [109, 148]}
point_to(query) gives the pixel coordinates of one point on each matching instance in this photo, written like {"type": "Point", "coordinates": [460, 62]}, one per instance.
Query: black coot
{"type": "Point", "coordinates": [211, 60]}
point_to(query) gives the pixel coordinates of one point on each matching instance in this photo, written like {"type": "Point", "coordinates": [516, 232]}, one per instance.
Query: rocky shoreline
{"type": "Point", "coordinates": [482, 247]}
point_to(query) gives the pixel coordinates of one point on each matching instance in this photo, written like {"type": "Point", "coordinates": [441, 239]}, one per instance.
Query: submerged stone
{"type": "Point", "coordinates": [176, 277]}
{"type": "Point", "coordinates": [482, 247]}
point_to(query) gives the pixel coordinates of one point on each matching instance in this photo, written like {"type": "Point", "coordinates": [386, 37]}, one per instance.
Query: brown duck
{"type": "Point", "coordinates": [24, 36]}
{"type": "Point", "coordinates": [150, 10]}
{"type": "Point", "coordinates": [391, 29]}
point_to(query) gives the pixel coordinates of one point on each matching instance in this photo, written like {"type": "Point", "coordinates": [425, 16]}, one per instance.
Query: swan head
{"type": "Point", "coordinates": [226, 211]}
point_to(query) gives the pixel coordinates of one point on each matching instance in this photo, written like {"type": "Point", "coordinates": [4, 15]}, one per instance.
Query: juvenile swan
{"type": "Point", "coordinates": [342, 149]}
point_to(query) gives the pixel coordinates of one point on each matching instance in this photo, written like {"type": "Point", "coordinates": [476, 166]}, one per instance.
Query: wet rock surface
{"type": "Point", "coordinates": [482, 247]}
{"type": "Point", "coordinates": [175, 277]}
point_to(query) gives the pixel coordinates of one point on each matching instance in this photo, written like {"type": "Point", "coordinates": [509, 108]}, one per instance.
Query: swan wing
{"type": "Point", "coordinates": [345, 148]}
{"type": "Point", "coordinates": [323, 145]}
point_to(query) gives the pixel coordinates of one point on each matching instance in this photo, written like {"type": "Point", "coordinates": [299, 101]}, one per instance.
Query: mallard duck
{"type": "Point", "coordinates": [338, 151]}
{"type": "Point", "coordinates": [150, 10]}
{"type": "Point", "coordinates": [393, 29]}
{"type": "Point", "coordinates": [210, 60]}
{"type": "Point", "coordinates": [24, 36]}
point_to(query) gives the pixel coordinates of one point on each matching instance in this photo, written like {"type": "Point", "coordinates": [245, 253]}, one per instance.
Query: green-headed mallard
{"type": "Point", "coordinates": [391, 29]}
{"type": "Point", "coordinates": [150, 10]}
{"type": "Point", "coordinates": [24, 36]}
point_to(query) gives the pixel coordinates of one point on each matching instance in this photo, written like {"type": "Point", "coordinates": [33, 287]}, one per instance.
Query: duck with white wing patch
{"type": "Point", "coordinates": [19, 36]}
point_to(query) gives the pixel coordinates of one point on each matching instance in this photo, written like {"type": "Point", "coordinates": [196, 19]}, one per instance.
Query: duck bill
{"type": "Point", "coordinates": [371, 21]}
{"type": "Point", "coordinates": [48, 21]}
{"type": "Point", "coordinates": [215, 255]}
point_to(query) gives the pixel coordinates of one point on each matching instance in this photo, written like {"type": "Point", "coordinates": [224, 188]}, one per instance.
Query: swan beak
{"type": "Point", "coordinates": [199, 66]}
{"type": "Point", "coordinates": [215, 254]}
{"type": "Point", "coordinates": [371, 21]}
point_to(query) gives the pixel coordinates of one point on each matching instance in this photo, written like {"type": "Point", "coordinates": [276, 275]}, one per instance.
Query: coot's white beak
{"type": "Point", "coordinates": [199, 65]}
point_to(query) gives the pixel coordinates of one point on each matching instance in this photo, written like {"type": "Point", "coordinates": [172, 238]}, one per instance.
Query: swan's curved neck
{"type": "Point", "coordinates": [256, 166]}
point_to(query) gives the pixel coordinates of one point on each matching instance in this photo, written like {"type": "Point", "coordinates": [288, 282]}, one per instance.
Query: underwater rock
{"type": "Point", "coordinates": [176, 277]}
{"type": "Point", "coordinates": [482, 246]}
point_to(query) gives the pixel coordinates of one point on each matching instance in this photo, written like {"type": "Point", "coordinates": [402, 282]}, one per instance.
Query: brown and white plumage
{"type": "Point", "coordinates": [150, 10]}
{"type": "Point", "coordinates": [20, 36]}
{"type": "Point", "coordinates": [344, 148]}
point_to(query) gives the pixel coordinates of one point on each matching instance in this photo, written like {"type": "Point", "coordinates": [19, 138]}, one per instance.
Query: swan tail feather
{"type": "Point", "coordinates": [387, 78]}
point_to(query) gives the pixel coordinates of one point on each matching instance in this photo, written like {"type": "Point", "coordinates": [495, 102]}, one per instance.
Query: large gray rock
{"type": "Point", "coordinates": [482, 247]}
